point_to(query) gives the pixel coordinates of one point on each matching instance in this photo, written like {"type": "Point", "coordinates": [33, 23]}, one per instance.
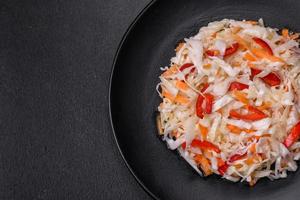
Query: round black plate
{"type": "Point", "coordinates": [147, 46]}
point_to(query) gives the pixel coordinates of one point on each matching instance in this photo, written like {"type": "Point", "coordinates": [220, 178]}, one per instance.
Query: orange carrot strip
{"type": "Point", "coordinates": [181, 99]}
{"type": "Point", "coordinates": [249, 57]}
{"type": "Point", "coordinates": [260, 53]}
{"type": "Point", "coordinates": [241, 96]}
{"type": "Point", "coordinates": [182, 85]}
{"type": "Point", "coordinates": [167, 95]}
{"type": "Point", "coordinates": [204, 164]}
{"type": "Point", "coordinates": [203, 131]}
{"type": "Point", "coordinates": [251, 22]}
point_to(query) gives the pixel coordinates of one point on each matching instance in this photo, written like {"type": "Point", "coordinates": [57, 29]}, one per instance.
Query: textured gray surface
{"type": "Point", "coordinates": [55, 62]}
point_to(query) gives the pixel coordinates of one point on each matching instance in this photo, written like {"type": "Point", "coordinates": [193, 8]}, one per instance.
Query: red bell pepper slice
{"type": "Point", "coordinates": [263, 45]}
{"type": "Point", "coordinates": [254, 116]}
{"type": "Point", "coordinates": [222, 169]}
{"type": "Point", "coordinates": [231, 50]}
{"type": "Point", "coordinates": [205, 145]}
{"type": "Point", "coordinates": [191, 71]}
{"type": "Point", "coordinates": [199, 109]}
{"type": "Point", "coordinates": [254, 72]}
{"type": "Point", "coordinates": [210, 53]}
{"type": "Point", "coordinates": [293, 136]}
{"type": "Point", "coordinates": [249, 117]}
{"type": "Point", "coordinates": [186, 65]}
{"type": "Point", "coordinates": [271, 79]}
{"type": "Point", "coordinates": [183, 145]}
{"type": "Point", "coordinates": [236, 157]}
{"type": "Point", "coordinates": [209, 98]}
{"type": "Point", "coordinates": [238, 86]}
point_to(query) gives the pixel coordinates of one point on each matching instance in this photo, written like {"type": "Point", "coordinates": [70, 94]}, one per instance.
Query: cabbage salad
{"type": "Point", "coordinates": [231, 101]}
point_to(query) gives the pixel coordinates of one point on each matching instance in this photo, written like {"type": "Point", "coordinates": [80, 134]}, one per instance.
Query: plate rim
{"type": "Point", "coordinates": [120, 45]}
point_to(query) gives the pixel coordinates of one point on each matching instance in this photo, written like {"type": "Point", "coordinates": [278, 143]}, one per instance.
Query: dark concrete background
{"type": "Point", "coordinates": [55, 62]}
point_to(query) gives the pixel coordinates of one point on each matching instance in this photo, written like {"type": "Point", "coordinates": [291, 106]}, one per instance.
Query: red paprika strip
{"type": "Point", "coordinates": [263, 45]}
{"type": "Point", "coordinates": [293, 136]}
{"type": "Point", "coordinates": [236, 157]}
{"type": "Point", "coordinates": [254, 116]}
{"type": "Point", "coordinates": [199, 109]}
{"type": "Point", "coordinates": [205, 145]}
{"type": "Point", "coordinates": [205, 86]}
{"type": "Point", "coordinates": [238, 86]}
{"type": "Point", "coordinates": [209, 98]}
{"type": "Point", "coordinates": [222, 170]}
{"type": "Point", "coordinates": [186, 65]}
{"type": "Point", "coordinates": [271, 79]}
{"type": "Point", "coordinates": [231, 50]}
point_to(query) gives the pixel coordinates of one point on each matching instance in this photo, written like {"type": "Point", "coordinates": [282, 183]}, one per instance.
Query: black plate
{"type": "Point", "coordinates": [147, 46]}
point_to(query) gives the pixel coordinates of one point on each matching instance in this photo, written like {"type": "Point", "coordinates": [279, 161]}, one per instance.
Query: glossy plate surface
{"type": "Point", "coordinates": [147, 46]}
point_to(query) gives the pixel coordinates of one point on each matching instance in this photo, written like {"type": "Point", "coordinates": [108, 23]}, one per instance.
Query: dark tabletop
{"type": "Point", "coordinates": [55, 136]}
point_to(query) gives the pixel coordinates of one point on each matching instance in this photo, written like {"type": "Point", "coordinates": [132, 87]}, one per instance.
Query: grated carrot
{"type": "Point", "coordinates": [241, 96]}
{"type": "Point", "coordinates": [204, 164]}
{"type": "Point", "coordinates": [251, 22]}
{"type": "Point", "coordinates": [241, 41]}
{"type": "Point", "coordinates": [238, 166]}
{"type": "Point", "coordinates": [252, 148]}
{"type": "Point", "coordinates": [237, 130]}
{"type": "Point", "coordinates": [207, 66]}
{"type": "Point", "coordinates": [260, 53]}
{"type": "Point", "coordinates": [182, 85]}
{"type": "Point", "coordinates": [235, 30]}
{"type": "Point", "coordinates": [234, 129]}
{"type": "Point", "coordinates": [181, 99]}
{"type": "Point", "coordinates": [265, 106]}
{"type": "Point", "coordinates": [249, 57]}
{"type": "Point", "coordinates": [167, 95]}
{"type": "Point", "coordinates": [203, 131]}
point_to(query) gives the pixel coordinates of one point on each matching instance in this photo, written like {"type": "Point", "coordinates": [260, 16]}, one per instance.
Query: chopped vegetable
{"type": "Point", "coordinates": [293, 136]}
{"type": "Point", "coordinates": [236, 157]}
{"type": "Point", "coordinates": [263, 45]}
{"type": "Point", "coordinates": [238, 86]}
{"type": "Point", "coordinates": [204, 164]}
{"type": "Point", "coordinates": [209, 98]}
{"type": "Point", "coordinates": [199, 109]}
{"type": "Point", "coordinates": [254, 116]}
{"type": "Point", "coordinates": [205, 145]}
{"type": "Point", "coordinates": [249, 57]}
{"type": "Point", "coordinates": [212, 52]}
{"type": "Point", "coordinates": [222, 169]}
{"type": "Point", "coordinates": [205, 86]}
{"type": "Point", "coordinates": [185, 66]}
{"type": "Point", "coordinates": [232, 49]}
{"type": "Point", "coordinates": [272, 79]}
